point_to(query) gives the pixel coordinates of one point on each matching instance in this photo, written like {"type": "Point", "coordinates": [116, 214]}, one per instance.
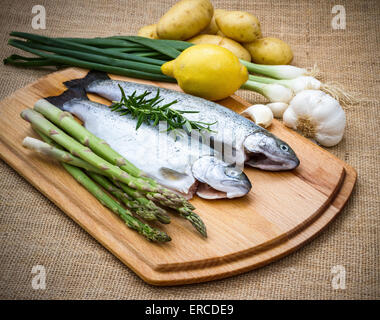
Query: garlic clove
{"type": "Point", "coordinates": [278, 108]}
{"type": "Point", "coordinates": [290, 118]}
{"type": "Point", "coordinates": [259, 114]}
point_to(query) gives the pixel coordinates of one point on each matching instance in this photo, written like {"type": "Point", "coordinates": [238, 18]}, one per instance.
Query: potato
{"type": "Point", "coordinates": [218, 12]}
{"type": "Point", "coordinates": [212, 28]}
{"type": "Point", "coordinates": [269, 51]}
{"type": "Point", "coordinates": [220, 33]}
{"type": "Point", "coordinates": [239, 25]}
{"type": "Point", "coordinates": [236, 48]}
{"type": "Point", "coordinates": [185, 19]}
{"type": "Point", "coordinates": [148, 31]}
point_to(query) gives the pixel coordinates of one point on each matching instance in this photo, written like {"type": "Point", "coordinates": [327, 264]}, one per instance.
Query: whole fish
{"type": "Point", "coordinates": [247, 143]}
{"type": "Point", "coordinates": [173, 161]}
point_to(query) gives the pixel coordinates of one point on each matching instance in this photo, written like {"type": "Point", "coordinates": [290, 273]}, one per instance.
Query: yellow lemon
{"type": "Point", "coordinates": [208, 71]}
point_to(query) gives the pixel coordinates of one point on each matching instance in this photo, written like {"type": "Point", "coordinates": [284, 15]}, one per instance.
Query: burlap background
{"type": "Point", "coordinates": [33, 231]}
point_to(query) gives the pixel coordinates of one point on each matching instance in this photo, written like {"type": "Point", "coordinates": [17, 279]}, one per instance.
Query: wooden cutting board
{"type": "Point", "coordinates": [282, 212]}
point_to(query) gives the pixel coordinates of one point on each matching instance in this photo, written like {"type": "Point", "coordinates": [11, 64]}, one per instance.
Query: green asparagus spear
{"type": "Point", "coordinates": [135, 206]}
{"type": "Point", "coordinates": [142, 228]}
{"type": "Point", "coordinates": [149, 208]}
{"type": "Point", "coordinates": [160, 213]}
{"type": "Point", "coordinates": [149, 232]}
{"type": "Point", "coordinates": [66, 121]}
{"type": "Point", "coordinates": [81, 151]}
{"type": "Point", "coordinates": [52, 151]}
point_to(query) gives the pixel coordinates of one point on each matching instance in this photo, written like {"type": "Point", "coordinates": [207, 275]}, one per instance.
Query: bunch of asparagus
{"type": "Point", "coordinates": [106, 172]}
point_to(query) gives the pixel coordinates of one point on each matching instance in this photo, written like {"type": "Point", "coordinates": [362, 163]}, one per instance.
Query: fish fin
{"type": "Point", "coordinates": [90, 77]}
{"type": "Point", "coordinates": [70, 94]}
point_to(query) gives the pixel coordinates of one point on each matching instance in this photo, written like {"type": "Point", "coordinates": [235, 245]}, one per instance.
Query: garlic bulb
{"type": "Point", "coordinates": [316, 115]}
{"type": "Point", "coordinates": [260, 114]}
{"type": "Point", "coordinates": [278, 108]}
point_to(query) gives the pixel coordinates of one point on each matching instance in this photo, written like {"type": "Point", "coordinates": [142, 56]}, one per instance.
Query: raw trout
{"type": "Point", "coordinates": [248, 143]}
{"type": "Point", "coordinates": [177, 162]}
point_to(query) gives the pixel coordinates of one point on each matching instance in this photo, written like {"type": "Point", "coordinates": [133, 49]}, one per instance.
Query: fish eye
{"type": "Point", "coordinates": [284, 147]}
{"type": "Point", "coordinates": [231, 172]}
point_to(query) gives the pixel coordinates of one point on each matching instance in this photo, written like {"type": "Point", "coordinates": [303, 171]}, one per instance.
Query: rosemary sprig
{"type": "Point", "coordinates": [151, 112]}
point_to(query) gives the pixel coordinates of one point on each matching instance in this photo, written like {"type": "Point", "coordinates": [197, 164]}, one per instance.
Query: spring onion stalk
{"type": "Point", "coordinates": [152, 44]}
{"type": "Point", "coordinates": [273, 92]}
{"type": "Point", "coordinates": [81, 47]}
{"type": "Point", "coordinates": [104, 42]}
{"type": "Point", "coordinates": [20, 61]}
{"type": "Point", "coordinates": [59, 59]}
{"type": "Point", "coordinates": [176, 44]}
{"type": "Point", "coordinates": [296, 84]}
{"type": "Point", "coordinates": [278, 71]}
{"type": "Point", "coordinates": [138, 66]}
{"type": "Point", "coordinates": [129, 50]}
{"type": "Point", "coordinates": [156, 55]}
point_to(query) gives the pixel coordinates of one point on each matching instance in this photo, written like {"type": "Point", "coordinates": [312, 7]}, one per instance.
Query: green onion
{"type": "Point", "coordinates": [273, 92]}
{"type": "Point", "coordinates": [176, 44]}
{"type": "Point", "coordinates": [104, 42]}
{"type": "Point", "coordinates": [129, 50]}
{"type": "Point", "coordinates": [93, 57]}
{"type": "Point", "coordinates": [277, 72]}
{"type": "Point", "coordinates": [73, 45]}
{"type": "Point", "coordinates": [20, 61]}
{"type": "Point", "coordinates": [150, 43]}
{"type": "Point", "coordinates": [91, 65]}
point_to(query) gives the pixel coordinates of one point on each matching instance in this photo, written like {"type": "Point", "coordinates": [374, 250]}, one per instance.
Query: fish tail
{"type": "Point", "coordinates": [70, 94]}
{"type": "Point", "coordinates": [90, 77]}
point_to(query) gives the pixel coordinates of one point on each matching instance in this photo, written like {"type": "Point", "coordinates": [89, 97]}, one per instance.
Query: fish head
{"type": "Point", "coordinates": [225, 178]}
{"type": "Point", "coordinates": [266, 152]}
